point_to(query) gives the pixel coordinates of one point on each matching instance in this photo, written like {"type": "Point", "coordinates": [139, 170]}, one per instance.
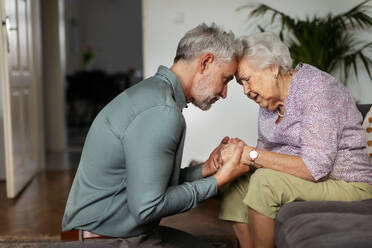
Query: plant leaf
{"type": "Point", "coordinates": [326, 42]}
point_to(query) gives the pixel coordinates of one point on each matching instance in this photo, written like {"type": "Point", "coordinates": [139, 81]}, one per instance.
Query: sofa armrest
{"type": "Point", "coordinates": [325, 230]}
{"type": "Point", "coordinates": [363, 109]}
{"type": "Point", "coordinates": [296, 208]}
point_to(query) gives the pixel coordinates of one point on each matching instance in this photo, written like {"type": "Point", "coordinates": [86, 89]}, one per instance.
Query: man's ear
{"type": "Point", "coordinates": [205, 61]}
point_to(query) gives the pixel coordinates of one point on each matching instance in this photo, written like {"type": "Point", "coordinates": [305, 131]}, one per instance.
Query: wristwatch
{"type": "Point", "coordinates": [253, 155]}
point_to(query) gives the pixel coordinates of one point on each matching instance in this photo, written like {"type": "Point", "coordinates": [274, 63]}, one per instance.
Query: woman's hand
{"type": "Point", "coordinates": [214, 161]}
{"type": "Point", "coordinates": [228, 150]}
{"type": "Point", "coordinates": [232, 168]}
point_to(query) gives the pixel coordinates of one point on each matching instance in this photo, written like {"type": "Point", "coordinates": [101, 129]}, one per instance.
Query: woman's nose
{"type": "Point", "coordinates": [252, 95]}
{"type": "Point", "coordinates": [246, 89]}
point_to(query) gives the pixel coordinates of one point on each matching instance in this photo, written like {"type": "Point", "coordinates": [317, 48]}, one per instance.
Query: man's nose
{"type": "Point", "coordinates": [224, 92]}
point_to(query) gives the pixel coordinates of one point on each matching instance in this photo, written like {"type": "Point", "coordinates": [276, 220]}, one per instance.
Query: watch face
{"type": "Point", "coordinates": [253, 154]}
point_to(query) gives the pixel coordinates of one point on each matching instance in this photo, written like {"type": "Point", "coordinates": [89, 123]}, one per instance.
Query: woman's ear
{"type": "Point", "coordinates": [275, 70]}
{"type": "Point", "coordinates": [205, 61]}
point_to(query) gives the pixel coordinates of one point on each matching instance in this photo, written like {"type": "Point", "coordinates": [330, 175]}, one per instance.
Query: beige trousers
{"type": "Point", "coordinates": [266, 190]}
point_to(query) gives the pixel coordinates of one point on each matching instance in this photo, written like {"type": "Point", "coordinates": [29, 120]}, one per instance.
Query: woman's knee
{"type": "Point", "coordinates": [260, 184]}
{"type": "Point", "coordinates": [267, 188]}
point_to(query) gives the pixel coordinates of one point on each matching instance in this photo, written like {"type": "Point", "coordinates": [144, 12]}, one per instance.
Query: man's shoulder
{"type": "Point", "coordinates": [149, 95]}
{"type": "Point", "coordinates": [146, 94]}
{"type": "Point", "coordinates": [150, 92]}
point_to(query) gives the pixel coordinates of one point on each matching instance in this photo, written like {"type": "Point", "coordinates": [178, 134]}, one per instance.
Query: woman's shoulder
{"type": "Point", "coordinates": [311, 74]}
{"type": "Point", "coordinates": [310, 79]}
{"type": "Point", "coordinates": [319, 87]}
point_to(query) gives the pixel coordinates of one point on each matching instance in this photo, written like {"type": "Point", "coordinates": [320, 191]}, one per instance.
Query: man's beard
{"type": "Point", "coordinates": [203, 94]}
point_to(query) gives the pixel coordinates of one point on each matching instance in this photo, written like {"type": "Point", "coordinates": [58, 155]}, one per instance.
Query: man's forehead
{"type": "Point", "coordinates": [233, 64]}
{"type": "Point", "coordinates": [230, 71]}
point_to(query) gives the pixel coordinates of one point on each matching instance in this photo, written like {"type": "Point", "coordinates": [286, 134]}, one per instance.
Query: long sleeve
{"type": "Point", "coordinates": [150, 143]}
{"type": "Point", "coordinates": [191, 173]}
{"type": "Point", "coordinates": [320, 131]}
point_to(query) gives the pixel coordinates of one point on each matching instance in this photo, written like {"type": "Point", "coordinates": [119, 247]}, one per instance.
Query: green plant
{"type": "Point", "coordinates": [329, 42]}
{"type": "Point", "coordinates": [87, 55]}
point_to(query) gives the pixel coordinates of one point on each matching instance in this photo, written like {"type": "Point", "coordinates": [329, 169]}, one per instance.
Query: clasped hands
{"type": "Point", "coordinates": [225, 161]}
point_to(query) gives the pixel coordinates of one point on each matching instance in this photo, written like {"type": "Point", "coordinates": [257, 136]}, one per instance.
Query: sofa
{"type": "Point", "coordinates": [324, 223]}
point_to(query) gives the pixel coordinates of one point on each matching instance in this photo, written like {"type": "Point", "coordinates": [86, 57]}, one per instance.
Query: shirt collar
{"type": "Point", "coordinates": [171, 79]}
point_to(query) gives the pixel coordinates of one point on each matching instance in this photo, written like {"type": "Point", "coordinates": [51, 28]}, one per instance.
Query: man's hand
{"type": "Point", "coordinates": [232, 168]}
{"type": "Point", "coordinates": [214, 161]}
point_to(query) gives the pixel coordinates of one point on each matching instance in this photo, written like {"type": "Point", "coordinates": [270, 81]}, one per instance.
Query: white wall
{"type": "Point", "coordinates": [165, 22]}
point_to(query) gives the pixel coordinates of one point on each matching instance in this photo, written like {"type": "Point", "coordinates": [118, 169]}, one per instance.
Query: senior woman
{"type": "Point", "coordinates": [311, 145]}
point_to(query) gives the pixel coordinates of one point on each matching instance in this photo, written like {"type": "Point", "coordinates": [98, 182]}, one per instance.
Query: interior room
{"type": "Point", "coordinates": [63, 61]}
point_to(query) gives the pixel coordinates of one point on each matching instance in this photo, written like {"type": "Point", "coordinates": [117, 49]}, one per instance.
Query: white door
{"type": "Point", "coordinates": [19, 92]}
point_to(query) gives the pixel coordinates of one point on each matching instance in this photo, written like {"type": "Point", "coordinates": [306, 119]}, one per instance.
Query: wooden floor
{"type": "Point", "coordinates": [38, 211]}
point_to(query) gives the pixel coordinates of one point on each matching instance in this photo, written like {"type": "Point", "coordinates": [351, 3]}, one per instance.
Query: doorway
{"type": "Point", "coordinates": [20, 80]}
{"type": "Point", "coordinates": [104, 57]}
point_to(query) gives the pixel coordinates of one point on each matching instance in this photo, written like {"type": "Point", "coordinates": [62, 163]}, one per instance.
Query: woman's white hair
{"type": "Point", "coordinates": [265, 50]}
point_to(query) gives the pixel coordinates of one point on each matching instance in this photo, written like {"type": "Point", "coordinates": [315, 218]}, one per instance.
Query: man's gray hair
{"type": "Point", "coordinates": [213, 39]}
{"type": "Point", "coordinates": [265, 50]}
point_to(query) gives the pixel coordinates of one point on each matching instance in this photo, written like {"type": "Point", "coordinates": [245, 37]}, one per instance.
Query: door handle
{"type": "Point", "coordinates": [8, 28]}
{"type": "Point", "coordinates": [6, 24]}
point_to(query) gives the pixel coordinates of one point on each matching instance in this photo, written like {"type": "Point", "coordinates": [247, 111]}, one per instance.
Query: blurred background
{"type": "Point", "coordinates": [79, 54]}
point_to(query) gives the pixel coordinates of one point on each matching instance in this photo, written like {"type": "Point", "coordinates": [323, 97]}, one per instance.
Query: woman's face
{"type": "Point", "coordinates": [260, 85]}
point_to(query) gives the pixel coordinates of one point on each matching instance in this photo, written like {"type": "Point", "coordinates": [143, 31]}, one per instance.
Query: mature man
{"type": "Point", "coordinates": [129, 176]}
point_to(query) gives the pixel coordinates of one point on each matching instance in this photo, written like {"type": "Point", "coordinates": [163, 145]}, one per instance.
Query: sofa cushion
{"type": "Point", "coordinates": [301, 207]}
{"type": "Point", "coordinates": [325, 230]}
{"type": "Point", "coordinates": [367, 125]}
{"type": "Point", "coordinates": [294, 211]}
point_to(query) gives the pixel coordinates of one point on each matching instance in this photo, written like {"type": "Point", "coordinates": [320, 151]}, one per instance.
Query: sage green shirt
{"type": "Point", "coordinates": [130, 175]}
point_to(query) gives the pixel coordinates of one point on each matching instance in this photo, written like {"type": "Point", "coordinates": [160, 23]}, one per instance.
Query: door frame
{"type": "Point", "coordinates": [3, 61]}
{"type": "Point", "coordinates": [36, 37]}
